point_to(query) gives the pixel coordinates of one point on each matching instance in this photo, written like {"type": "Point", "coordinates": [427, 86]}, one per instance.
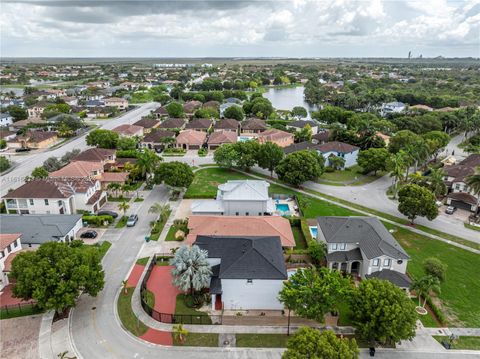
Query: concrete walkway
{"type": "Point", "coordinates": [462, 332]}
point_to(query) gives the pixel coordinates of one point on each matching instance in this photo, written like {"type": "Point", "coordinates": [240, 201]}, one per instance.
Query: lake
{"type": "Point", "coordinates": [288, 98]}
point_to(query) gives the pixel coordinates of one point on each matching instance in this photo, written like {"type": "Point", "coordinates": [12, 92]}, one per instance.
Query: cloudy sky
{"type": "Point", "coordinates": [186, 28]}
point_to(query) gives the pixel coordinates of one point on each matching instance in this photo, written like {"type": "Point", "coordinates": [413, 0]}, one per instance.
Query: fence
{"type": "Point", "coordinates": [167, 317]}
{"type": "Point", "coordinates": [17, 308]}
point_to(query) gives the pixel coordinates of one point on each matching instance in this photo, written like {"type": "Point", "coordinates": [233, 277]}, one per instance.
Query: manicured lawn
{"type": "Point", "coordinates": [149, 298]}
{"type": "Point", "coordinates": [198, 340]}
{"type": "Point", "coordinates": [460, 292]}
{"type": "Point", "coordinates": [262, 340]}
{"type": "Point", "coordinates": [206, 181]}
{"type": "Point", "coordinates": [122, 222]}
{"type": "Point", "coordinates": [300, 242]}
{"type": "Point", "coordinates": [118, 199]}
{"type": "Point", "coordinates": [171, 234]}
{"type": "Point", "coordinates": [161, 261]}
{"type": "Point", "coordinates": [19, 312]}
{"type": "Point", "coordinates": [346, 175]}
{"type": "Point", "coordinates": [469, 226]}
{"type": "Point", "coordinates": [466, 343]}
{"type": "Point", "coordinates": [181, 308]}
{"type": "Point", "coordinates": [143, 261]}
{"type": "Point", "coordinates": [158, 228]}
{"type": "Point", "coordinates": [103, 248]}
{"type": "Point", "coordinates": [127, 317]}
{"type": "Point", "coordinates": [427, 320]}
{"type": "Point", "coordinates": [138, 199]}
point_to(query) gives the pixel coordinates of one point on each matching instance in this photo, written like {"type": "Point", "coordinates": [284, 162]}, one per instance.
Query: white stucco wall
{"type": "Point", "coordinates": [237, 294]}
{"type": "Point", "coordinates": [253, 208]}
{"type": "Point", "coordinates": [39, 206]}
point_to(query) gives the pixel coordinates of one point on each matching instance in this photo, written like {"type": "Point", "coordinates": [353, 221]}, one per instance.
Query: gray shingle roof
{"type": "Point", "coordinates": [399, 279]}
{"type": "Point", "coordinates": [246, 257]}
{"type": "Point", "coordinates": [372, 237]}
{"type": "Point", "coordinates": [38, 229]}
{"type": "Point", "coordinates": [342, 256]}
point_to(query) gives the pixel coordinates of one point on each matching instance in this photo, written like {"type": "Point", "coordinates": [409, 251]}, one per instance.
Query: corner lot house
{"type": "Point", "coordinates": [248, 272]}
{"type": "Point", "coordinates": [363, 246]}
{"type": "Point", "coordinates": [340, 149]}
{"type": "Point", "coordinates": [281, 138]}
{"type": "Point", "coordinates": [238, 198]}
{"type": "Point", "coordinates": [119, 103]}
{"type": "Point", "coordinates": [9, 245]}
{"type": "Point", "coordinates": [191, 140]}
{"type": "Point", "coordinates": [37, 229]}
{"type": "Point", "coordinates": [265, 226]}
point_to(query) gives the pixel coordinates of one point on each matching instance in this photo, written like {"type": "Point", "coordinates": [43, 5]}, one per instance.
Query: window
{"type": "Point", "coordinates": [46, 202]}
{"type": "Point", "coordinates": [15, 244]}
{"type": "Point", "coordinates": [376, 262]}
{"type": "Point", "coordinates": [334, 246]}
{"type": "Point", "coordinates": [386, 262]}
{"type": "Point", "coordinates": [236, 213]}
{"type": "Point", "coordinates": [259, 213]}
{"type": "Point", "coordinates": [31, 202]}
{"type": "Point", "coordinates": [60, 203]}
{"type": "Point", "coordinates": [342, 246]}
{"type": "Point", "coordinates": [249, 281]}
{"type": "Point", "coordinates": [246, 213]}
{"type": "Point", "coordinates": [2, 254]}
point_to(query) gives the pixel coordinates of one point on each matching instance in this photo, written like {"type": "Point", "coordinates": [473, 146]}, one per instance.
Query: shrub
{"type": "Point", "coordinates": [435, 267]}
{"type": "Point", "coordinates": [329, 169]}
{"type": "Point", "coordinates": [97, 220]}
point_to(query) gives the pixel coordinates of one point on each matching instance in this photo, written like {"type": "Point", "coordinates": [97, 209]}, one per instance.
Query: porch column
{"type": "Point", "coordinates": [213, 301]}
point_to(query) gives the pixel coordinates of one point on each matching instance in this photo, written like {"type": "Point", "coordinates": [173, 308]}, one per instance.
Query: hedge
{"type": "Point", "coordinates": [97, 220]}
{"type": "Point", "coordinates": [438, 313]}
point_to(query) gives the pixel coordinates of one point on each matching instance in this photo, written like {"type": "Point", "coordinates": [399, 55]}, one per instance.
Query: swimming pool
{"type": "Point", "coordinates": [244, 138]}
{"type": "Point", "coordinates": [313, 231]}
{"type": "Point", "coordinates": [282, 207]}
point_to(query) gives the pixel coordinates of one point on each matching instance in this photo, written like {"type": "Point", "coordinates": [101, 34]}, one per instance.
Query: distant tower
{"type": "Point", "coordinates": [409, 55]}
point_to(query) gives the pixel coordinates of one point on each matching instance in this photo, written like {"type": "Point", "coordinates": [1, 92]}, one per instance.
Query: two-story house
{"type": "Point", "coordinates": [10, 244]}
{"type": "Point", "coordinates": [238, 198]}
{"type": "Point", "coordinates": [279, 137]}
{"type": "Point", "coordinates": [363, 246]}
{"type": "Point", "coordinates": [339, 149]}
{"type": "Point", "coordinates": [119, 103]}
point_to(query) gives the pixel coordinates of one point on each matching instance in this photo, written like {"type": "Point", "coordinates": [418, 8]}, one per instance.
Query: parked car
{"type": "Point", "coordinates": [108, 213]}
{"type": "Point", "coordinates": [23, 149]}
{"type": "Point", "coordinates": [450, 210]}
{"type": "Point", "coordinates": [132, 220]}
{"type": "Point", "coordinates": [89, 234]}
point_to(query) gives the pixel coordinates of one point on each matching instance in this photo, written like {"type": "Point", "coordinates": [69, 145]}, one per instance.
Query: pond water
{"type": "Point", "coordinates": [288, 98]}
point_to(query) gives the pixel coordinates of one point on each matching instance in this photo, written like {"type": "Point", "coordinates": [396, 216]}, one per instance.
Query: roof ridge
{"type": "Point", "coordinates": [271, 264]}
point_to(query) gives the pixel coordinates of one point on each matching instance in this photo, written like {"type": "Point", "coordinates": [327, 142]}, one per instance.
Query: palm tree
{"type": "Point", "coordinates": [191, 270]}
{"type": "Point", "coordinates": [424, 286]}
{"type": "Point", "coordinates": [397, 165]}
{"type": "Point", "coordinates": [146, 162]}
{"type": "Point", "coordinates": [124, 206]}
{"type": "Point", "coordinates": [180, 333]}
{"type": "Point", "coordinates": [163, 210]}
{"type": "Point", "coordinates": [436, 181]}
{"type": "Point", "coordinates": [124, 286]}
{"type": "Point", "coordinates": [473, 182]}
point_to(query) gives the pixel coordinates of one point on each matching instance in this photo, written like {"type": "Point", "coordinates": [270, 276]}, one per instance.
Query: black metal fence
{"type": "Point", "coordinates": [203, 319]}
{"type": "Point", "coordinates": [22, 308]}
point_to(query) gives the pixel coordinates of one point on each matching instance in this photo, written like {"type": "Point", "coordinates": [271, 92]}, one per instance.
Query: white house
{"type": "Point", "coordinates": [340, 149]}
{"type": "Point", "coordinates": [9, 245]}
{"type": "Point", "coordinates": [301, 124]}
{"type": "Point", "coordinates": [392, 108]}
{"type": "Point", "coordinates": [238, 198]}
{"type": "Point", "coordinates": [37, 229]}
{"type": "Point", "coordinates": [363, 246]}
{"type": "Point", "coordinates": [247, 272]}
{"type": "Point", "coordinates": [5, 119]}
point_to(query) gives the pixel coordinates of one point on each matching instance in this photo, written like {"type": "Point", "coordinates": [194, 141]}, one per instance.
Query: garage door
{"type": "Point", "coordinates": [461, 205]}
{"type": "Point", "coordinates": [194, 147]}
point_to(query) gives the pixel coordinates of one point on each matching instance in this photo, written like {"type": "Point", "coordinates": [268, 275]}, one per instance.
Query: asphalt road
{"type": "Point", "coordinates": [25, 163]}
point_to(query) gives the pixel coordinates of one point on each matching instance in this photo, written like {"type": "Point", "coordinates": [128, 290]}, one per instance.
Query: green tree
{"type": "Point", "coordinates": [247, 154]}
{"type": "Point", "coordinates": [39, 173]}
{"type": "Point", "coordinates": [102, 138]}
{"type": "Point", "coordinates": [397, 164]}
{"type": "Point", "coordinates": [3, 144]}
{"type": "Point", "coordinates": [435, 267]}
{"type": "Point", "coordinates": [382, 312]}
{"type": "Point", "coordinates": [473, 182]}
{"type": "Point", "coordinates": [314, 344]}
{"type": "Point", "coordinates": [235, 112]}
{"type": "Point", "coordinates": [299, 167]}
{"type": "Point", "coordinates": [4, 164]}
{"type": "Point", "coordinates": [269, 156]}
{"type": "Point", "coordinates": [180, 333]}
{"type": "Point", "coordinates": [52, 164]}
{"type": "Point", "coordinates": [175, 110]}
{"type": "Point", "coordinates": [124, 206]}
{"type": "Point", "coordinates": [18, 113]}
{"type": "Point", "coordinates": [332, 114]}
{"type": "Point", "coordinates": [305, 134]}
{"type": "Point", "coordinates": [146, 163]}
{"type": "Point", "coordinates": [127, 143]}
{"type": "Point", "coordinates": [414, 200]}
{"type": "Point", "coordinates": [174, 174]}
{"type": "Point", "coordinates": [424, 286]}
{"type": "Point", "coordinates": [163, 210]}
{"type": "Point", "coordinates": [373, 160]}
{"type": "Point", "coordinates": [436, 141]}
{"type": "Point", "coordinates": [336, 162]}
{"type": "Point", "coordinates": [436, 183]}
{"type": "Point", "coordinates": [311, 293]}
{"type": "Point", "coordinates": [317, 251]}
{"type": "Point", "coordinates": [114, 187]}
{"type": "Point", "coordinates": [56, 273]}
{"type": "Point", "coordinates": [402, 139]}
{"type": "Point", "coordinates": [226, 156]}
{"type": "Point", "coordinates": [191, 271]}
{"type": "Point", "coordinates": [299, 111]}
{"type": "Point", "coordinates": [207, 112]}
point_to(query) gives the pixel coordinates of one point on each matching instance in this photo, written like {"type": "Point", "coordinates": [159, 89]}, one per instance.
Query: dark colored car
{"type": "Point", "coordinates": [132, 220]}
{"type": "Point", "coordinates": [23, 149]}
{"type": "Point", "coordinates": [107, 213]}
{"type": "Point", "coordinates": [89, 234]}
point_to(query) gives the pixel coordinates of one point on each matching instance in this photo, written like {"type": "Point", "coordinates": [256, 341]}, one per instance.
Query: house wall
{"type": "Point", "coordinates": [5, 121]}
{"type": "Point", "coordinates": [368, 267]}
{"type": "Point", "coordinates": [25, 206]}
{"type": "Point", "coordinates": [11, 248]}
{"type": "Point", "coordinates": [43, 144]}
{"type": "Point", "coordinates": [237, 294]}
{"type": "Point", "coordinates": [350, 158]}
{"type": "Point", "coordinates": [253, 208]}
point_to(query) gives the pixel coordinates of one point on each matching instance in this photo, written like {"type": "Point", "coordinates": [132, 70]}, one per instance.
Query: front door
{"type": "Point", "coordinates": [218, 302]}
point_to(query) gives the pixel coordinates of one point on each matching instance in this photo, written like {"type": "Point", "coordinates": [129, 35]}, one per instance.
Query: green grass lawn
{"type": "Point", "coordinates": [300, 242]}
{"type": "Point", "coordinates": [182, 309]}
{"type": "Point", "coordinates": [262, 340]}
{"type": "Point", "coordinates": [427, 320]}
{"type": "Point", "coordinates": [198, 340]}
{"type": "Point", "coordinates": [149, 298]}
{"type": "Point", "coordinates": [460, 292]}
{"type": "Point", "coordinates": [127, 317]}
{"type": "Point", "coordinates": [469, 226]}
{"type": "Point", "coordinates": [171, 234]}
{"type": "Point", "coordinates": [158, 228]}
{"type": "Point", "coordinates": [466, 343]}
{"type": "Point", "coordinates": [348, 174]}
{"type": "Point", "coordinates": [19, 312]}
{"type": "Point", "coordinates": [206, 181]}
{"type": "Point", "coordinates": [118, 199]}
{"type": "Point", "coordinates": [122, 222]}
{"type": "Point", "coordinates": [138, 199]}
{"type": "Point", "coordinates": [104, 247]}
{"type": "Point", "coordinates": [143, 261]}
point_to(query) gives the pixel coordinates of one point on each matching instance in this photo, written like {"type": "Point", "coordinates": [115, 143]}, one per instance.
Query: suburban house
{"type": "Point", "coordinates": [199, 124]}
{"type": "Point", "coordinates": [238, 198]}
{"type": "Point", "coordinates": [5, 119]}
{"type": "Point", "coordinates": [227, 124]}
{"type": "Point", "coordinates": [279, 137]}
{"type": "Point", "coordinates": [95, 154]}
{"type": "Point", "coordinates": [301, 124]}
{"type": "Point", "coordinates": [301, 146]}
{"type": "Point", "coordinates": [10, 245]}
{"type": "Point", "coordinates": [56, 196]}
{"type": "Point", "coordinates": [263, 226]}
{"type": "Point", "coordinates": [460, 194]}
{"type": "Point", "coordinates": [247, 272]}
{"type": "Point", "coordinates": [191, 140]}
{"type": "Point", "coordinates": [211, 104]}
{"type": "Point", "coordinates": [364, 247]}
{"type": "Point", "coordinates": [190, 107]}
{"type": "Point", "coordinates": [253, 125]}
{"type": "Point", "coordinates": [129, 130]}
{"type": "Point", "coordinates": [392, 108]}
{"type": "Point", "coordinates": [119, 103]}
{"type": "Point", "coordinates": [340, 149]}
{"type": "Point", "coordinates": [148, 124]}
{"type": "Point", "coordinates": [37, 229]}
{"type": "Point", "coordinates": [34, 139]}
{"type": "Point", "coordinates": [157, 139]}
{"type": "Point", "coordinates": [160, 112]}
{"type": "Point", "coordinates": [173, 124]}
{"type": "Point", "coordinates": [35, 111]}
{"type": "Point", "coordinates": [218, 138]}
{"type": "Point", "coordinates": [223, 107]}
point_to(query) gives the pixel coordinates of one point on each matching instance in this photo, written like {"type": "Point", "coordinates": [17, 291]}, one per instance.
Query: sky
{"type": "Point", "coordinates": [296, 28]}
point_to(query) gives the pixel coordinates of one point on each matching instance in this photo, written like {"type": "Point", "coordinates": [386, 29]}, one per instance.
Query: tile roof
{"type": "Point", "coordinates": [173, 123]}
{"type": "Point", "coordinates": [78, 169]}
{"type": "Point", "coordinates": [295, 147]}
{"type": "Point", "coordinates": [241, 226]}
{"type": "Point", "coordinates": [463, 197]}
{"type": "Point", "coordinates": [191, 137]}
{"type": "Point", "coordinates": [368, 232]}
{"type": "Point", "coordinates": [114, 177]}
{"type": "Point", "coordinates": [38, 136]}
{"type": "Point", "coordinates": [94, 155]}
{"type": "Point", "coordinates": [8, 238]}
{"type": "Point", "coordinates": [274, 134]}
{"type": "Point", "coordinates": [219, 137]}
{"type": "Point", "coordinates": [302, 123]}
{"type": "Point", "coordinates": [227, 124]}
{"type": "Point", "coordinates": [211, 104]}
{"type": "Point", "coordinates": [126, 129]}
{"type": "Point", "coordinates": [156, 136]}
{"type": "Point", "coordinates": [254, 124]}
{"type": "Point", "coordinates": [201, 123]}
{"type": "Point", "coordinates": [246, 257]}
{"type": "Point", "coordinates": [42, 189]}
{"type": "Point", "coordinates": [335, 146]}
{"type": "Point", "coordinates": [147, 123]}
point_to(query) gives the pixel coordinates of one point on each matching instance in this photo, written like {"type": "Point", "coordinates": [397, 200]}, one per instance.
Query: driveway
{"type": "Point", "coordinates": [19, 337]}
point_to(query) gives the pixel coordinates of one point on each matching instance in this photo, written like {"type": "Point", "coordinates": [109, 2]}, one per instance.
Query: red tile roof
{"type": "Point", "coordinates": [6, 239]}
{"type": "Point", "coordinates": [191, 137]}
{"type": "Point", "coordinates": [219, 137]}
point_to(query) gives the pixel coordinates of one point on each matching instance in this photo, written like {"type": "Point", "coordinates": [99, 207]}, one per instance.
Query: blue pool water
{"type": "Point", "coordinates": [244, 138]}
{"type": "Point", "coordinates": [314, 231]}
{"type": "Point", "coordinates": [282, 207]}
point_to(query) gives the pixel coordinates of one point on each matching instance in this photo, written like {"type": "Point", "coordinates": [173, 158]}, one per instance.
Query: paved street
{"type": "Point", "coordinates": [26, 163]}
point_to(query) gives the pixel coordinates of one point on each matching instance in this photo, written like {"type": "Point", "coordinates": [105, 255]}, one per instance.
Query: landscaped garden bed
{"type": "Point", "coordinates": [462, 343]}
{"type": "Point", "coordinates": [178, 231]}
